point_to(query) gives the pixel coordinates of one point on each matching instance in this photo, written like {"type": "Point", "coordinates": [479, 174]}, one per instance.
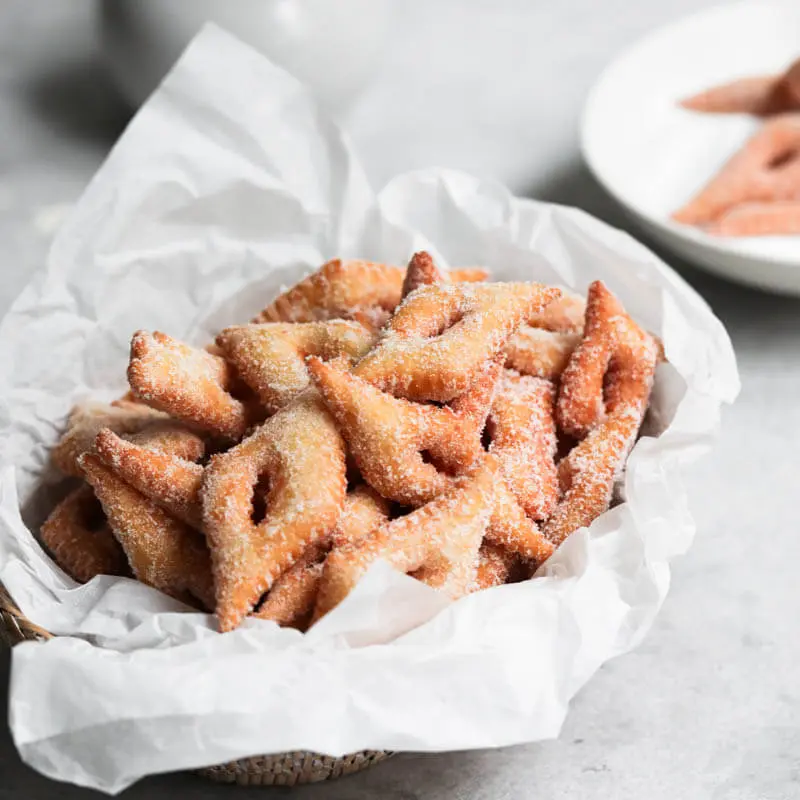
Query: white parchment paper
{"type": "Point", "coordinates": [227, 185]}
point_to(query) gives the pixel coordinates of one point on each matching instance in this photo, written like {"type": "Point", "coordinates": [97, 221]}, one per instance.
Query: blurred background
{"type": "Point", "coordinates": [708, 707]}
{"type": "Point", "coordinates": [494, 88]}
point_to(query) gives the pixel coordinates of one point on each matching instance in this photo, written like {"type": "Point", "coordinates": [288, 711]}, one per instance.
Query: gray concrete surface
{"type": "Point", "coordinates": [709, 705]}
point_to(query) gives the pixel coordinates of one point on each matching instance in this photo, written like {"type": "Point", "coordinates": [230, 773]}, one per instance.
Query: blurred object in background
{"type": "Point", "coordinates": [332, 47]}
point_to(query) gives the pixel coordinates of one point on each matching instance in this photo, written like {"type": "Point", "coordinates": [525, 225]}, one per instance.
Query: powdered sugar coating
{"type": "Point", "coordinates": [365, 291]}
{"type": "Point", "coordinates": [292, 597]}
{"type": "Point", "coordinates": [588, 472]}
{"type": "Point", "coordinates": [442, 537]}
{"type": "Point", "coordinates": [302, 454]}
{"type": "Point", "coordinates": [387, 436]}
{"type": "Point", "coordinates": [540, 353]}
{"type": "Point", "coordinates": [162, 551]}
{"type": "Point", "coordinates": [85, 420]}
{"type": "Point", "coordinates": [440, 336]}
{"type": "Point", "coordinates": [493, 567]}
{"type": "Point", "coordinates": [165, 478]}
{"type": "Point", "coordinates": [523, 433]}
{"type": "Point", "coordinates": [186, 382]}
{"type": "Point", "coordinates": [580, 397]}
{"type": "Point", "coordinates": [270, 357]}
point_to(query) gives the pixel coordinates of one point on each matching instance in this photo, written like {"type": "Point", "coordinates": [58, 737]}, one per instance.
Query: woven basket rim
{"type": "Point", "coordinates": [286, 769]}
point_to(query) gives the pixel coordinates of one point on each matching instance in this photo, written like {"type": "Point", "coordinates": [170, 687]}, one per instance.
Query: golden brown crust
{"type": "Point", "coordinates": [162, 551]}
{"type": "Point", "coordinates": [86, 419]}
{"type": "Point", "coordinates": [441, 539]}
{"type": "Point", "coordinates": [301, 453]}
{"type": "Point", "coordinates": [78, 536]}
{"type": "Point", "coordinates": [168, 480]}
{"type": "Point", "coordinates": [186, 382]}
{"type": "Point", "coordinates": [292, 597]}
{"type": "Point", "coordinates": [580, 396]}
{"type": "Point", "coordinates": [389, 437]}
{"type": "Point", "coordinates": [270, 357]}
{"type": "Point", "coordinates": [523, 438]}
{"type": "Point", "coordinates": [441, 336]}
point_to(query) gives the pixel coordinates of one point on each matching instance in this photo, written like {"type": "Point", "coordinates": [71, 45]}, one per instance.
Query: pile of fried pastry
{"type": "Point", "coordinates": [757, 191]}
{"type": "Point", "coordinates": [456, 428]}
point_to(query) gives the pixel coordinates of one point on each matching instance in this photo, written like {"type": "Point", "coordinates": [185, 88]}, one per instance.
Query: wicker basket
{"type": "Point", "coordinates": [281, 769]}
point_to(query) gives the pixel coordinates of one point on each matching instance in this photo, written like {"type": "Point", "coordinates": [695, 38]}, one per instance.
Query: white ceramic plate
{"type": "Point", "coordinates": [652, 156]}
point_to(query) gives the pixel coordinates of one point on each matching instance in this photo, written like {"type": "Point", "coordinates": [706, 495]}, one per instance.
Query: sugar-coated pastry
{"type": "Point", "coordinates": [580, 396]}
{"type": "Point", "coordinates": [390, 438]}
{"type": "Point", "coordinates": [161, 550]}
{"type": "Point", "coordinates": [441, 538]}
{"type": "Point", "coordinates": [423, 271]}
{"type": "Point", "coordinates": [564, 314]}
{"type": "Point", "coordinates": [441, 336]}
{"type": "Point", "coordinates": [187, 382]}
{"type": "Point", "coordinates": [167, 479]}
{"type": "Point", "coordinates": [539, 352]}
{"type": "Point", "coordinates": [364, 291]}
{"type": "Point", "coordinates": [522, 430]}
{"type": "Point", "coordinates": [494, 567]}
{"type": "Point", "coordinates": [270, 357]}
{"type": "Point", "coordinates": [512, 529]}
{"type": "Point", "coordinates": [78, 536]}
{"type": "Point", "coordinates": [301, 454]}
{"type": "Point", "coordinates": [588, 472]}
{"type": "Point", "coordinates": [291, 599]}
{"type": "Point", "coordinates": [85, 420]}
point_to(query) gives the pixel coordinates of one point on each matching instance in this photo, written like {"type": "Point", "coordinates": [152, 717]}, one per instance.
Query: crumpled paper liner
{"type": "Point", "coordinates": [228, 185]}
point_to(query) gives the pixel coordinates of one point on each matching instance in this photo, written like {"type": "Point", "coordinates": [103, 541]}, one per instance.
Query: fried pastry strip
{"type": "Point", "coordinates": [588, 472]}
{"type": "Point", "coordinates": [78, 536]}
{"type": "Point", "coordinates": [766, 169]}
{"type": "Point", "coordinates": [580, 397]}
{"type": "Point", "coordinates": [162, 551]}
{"type": "Point", "coordinates": [442, 537]}
{"type": "Point", "coordinates": [270, 357]}
{"type": "Point", "coordinates": [168, 480]}
{"type": "Point", "coordinates": [540, 353]}
{"type": "Point", "coordinates": [301, 453]}
{"type": "Point", "coordinates": [292, 597]}
{"type": "Point", "coordinates": [523, 438]}
{"type": "Point", "coordinates": [364, 291]}
{"type": "Point", "coordinates": [387, 436]}
{"type": "Point", "coordinates": [186, 382]}
{"type": "Point", "coordinates": [441, 336]}
{"type": "Point", "coordinates": [512, 529]}
{"type": "Point", "coordinates": [85, 420]}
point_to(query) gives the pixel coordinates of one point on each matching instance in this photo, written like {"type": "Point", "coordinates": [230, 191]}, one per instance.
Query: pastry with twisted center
{"type": "Point", "coordinates": [580, 397]}
{"type": "Point", "coordinates": [588, 472]}
{"type": "Point", "coordinates": [440, 337]}
{"type": "Point", "coordinates": [301, 454]}
{"type": "Point", "coordinates": [388, 436]}
{"type": "Point", "coordinates": [270, 357]}
{"type": "Point", "coordinates": [161, 550]}
{"type": "Point", "coordinates": [364, 291]}
{"type": "Point", "coordinates": [439, 541]}
{"type": "Point", "coordinates": [291, 599]}
{"type": "Point", "coordinates": [523, 438]}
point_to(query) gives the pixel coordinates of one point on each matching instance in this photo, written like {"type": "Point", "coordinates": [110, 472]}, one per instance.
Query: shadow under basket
{"type": "Point", "coordinates": [280, 769]}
